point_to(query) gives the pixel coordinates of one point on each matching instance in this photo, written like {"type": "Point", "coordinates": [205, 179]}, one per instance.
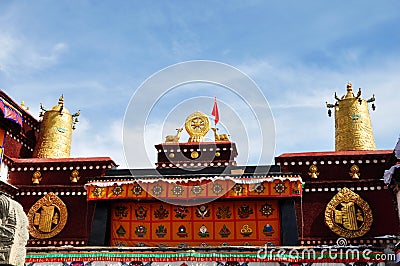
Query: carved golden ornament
{"type": "Point", "coordinates": [36, 177]}
{"type": "Point", "coordinates": [353, 129]}
{"type": "Point", "coordinates": [174, 138]}
{"type": "Point", "coordinates": [24, 106]}
{"type": "Point", "coordinates": [171, 155]}
{"type": "Point", "coordinates": [355, 172]}
{"type": "Point", "coordinates": [219, 137]}
{"type": "Point", "coordinates": [74, 176]}
{"type": "Point", "coordinates": [313, 171]}
{"type": "Point", "coordinates": [348, 215]}
{"type": "Point", "coordinates": [197, 125]}
{"type": "Point", "coordinates": [47, 217]}
{"type": "Point", "coordinates": [194, 155]}
{"type": "Point", "coordinates": [55, 134]}
{"type": "Point", "coordinates": [217, 154]}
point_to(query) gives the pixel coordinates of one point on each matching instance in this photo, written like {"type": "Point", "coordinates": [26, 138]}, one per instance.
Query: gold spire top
{"type": "Point", "coordinates": [350, 93]}
{"type": "Point", "coordinates": [60, 106]}
{"type": "Point", "coordinates": [61, 100]}
{"type": "Point", "coordinates": [353, 130]}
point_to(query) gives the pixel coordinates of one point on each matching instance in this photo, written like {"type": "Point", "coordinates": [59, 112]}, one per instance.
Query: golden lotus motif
{"type": "Point", "coordinates": [47, 217]}
{"type": "Point", "coordinates": [348, 215]}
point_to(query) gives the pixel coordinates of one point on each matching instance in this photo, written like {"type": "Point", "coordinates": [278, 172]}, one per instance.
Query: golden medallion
{"type": "Point", "coordinates": [348, 215]}
{"type": "Point", "coordinates": [194, 155]}
{"type": "Point", "coordinates": [47, 217]}
{"type": "Point", "coordinates": [197, 125]}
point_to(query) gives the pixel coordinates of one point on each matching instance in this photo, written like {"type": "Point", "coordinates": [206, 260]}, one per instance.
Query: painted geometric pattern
{"type": "Point", "coordinates": [233, 223]}
{"type": "Point", "coordinates": [201, 190]}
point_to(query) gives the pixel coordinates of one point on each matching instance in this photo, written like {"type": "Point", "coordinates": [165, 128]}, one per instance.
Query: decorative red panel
{"type": "Point", "coordinates": [213, 224]}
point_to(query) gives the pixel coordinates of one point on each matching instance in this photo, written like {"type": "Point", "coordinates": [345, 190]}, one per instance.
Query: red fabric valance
{"type": "Point", "coordinates": [10, 113]}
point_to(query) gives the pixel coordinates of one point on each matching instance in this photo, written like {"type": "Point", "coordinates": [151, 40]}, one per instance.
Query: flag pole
{"type": "Point", "coordinates": [215, 112]}
{"type": "Point", "coordinates": [215, 101]}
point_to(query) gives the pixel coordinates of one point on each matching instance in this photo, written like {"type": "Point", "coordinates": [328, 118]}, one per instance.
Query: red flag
{"type": "Point", "coordinates": [215, 111]}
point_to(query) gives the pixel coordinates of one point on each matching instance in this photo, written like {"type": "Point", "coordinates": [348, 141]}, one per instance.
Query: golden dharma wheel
{"type": "Point", "coordinates": [197, 125]}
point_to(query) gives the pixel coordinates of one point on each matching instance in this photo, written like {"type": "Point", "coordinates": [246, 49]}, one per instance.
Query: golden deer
{"type": "Point", "coordinates": [219, 137]}
{"type": "Point", "coordinates": [174, 138]}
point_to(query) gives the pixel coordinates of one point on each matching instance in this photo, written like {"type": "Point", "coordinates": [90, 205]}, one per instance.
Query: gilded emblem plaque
{"type": "Point", "coordinates": [197, 125]}
{"type": "Point", "coordinates": [47, 217]}
{"type": "Point", "coordinates": [348, 215]}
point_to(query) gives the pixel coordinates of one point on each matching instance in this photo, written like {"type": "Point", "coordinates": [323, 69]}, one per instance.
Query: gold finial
{"type": "Point", "coordinates": [61, 100]}
{"type": "Point", "coordinates": [355, 172]}
{"type": "Point", "coordinates": [55, 134]}
{"type": "Point", "coordinates": [353, 130]}
{"type": "Point", "coordinates": [349, 93]}
{"type": "Point", "coordinates": [24, 106]}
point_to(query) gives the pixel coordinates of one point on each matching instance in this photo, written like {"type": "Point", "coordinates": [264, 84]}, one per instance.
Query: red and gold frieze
{"type": "Point", "coordinates": [181, 190]}
{"type": "Point", "coordinates": [213, 224]}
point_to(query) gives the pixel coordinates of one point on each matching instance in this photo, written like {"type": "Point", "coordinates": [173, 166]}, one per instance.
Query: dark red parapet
{"type": "Point", "coordinates": [325, 174]}
{"type": "Point", "coordinates": [196, 154]}
{"type": "Point", "coordinates": [64, 178]}
{"type": "Point", "coordinates": [20, 128]}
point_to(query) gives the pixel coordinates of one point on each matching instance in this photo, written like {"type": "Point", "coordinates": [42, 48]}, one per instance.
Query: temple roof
{"type": "Point", "coordinates": [187, 186]}
{"type": "Point", "coordinates": [25, 114]}
{"type": "Point", "coordinates": [61, 160]}
{"type": "Point", "coordinates": [170, 172]}
{"type": "Point", "coordinates": [335, 153]}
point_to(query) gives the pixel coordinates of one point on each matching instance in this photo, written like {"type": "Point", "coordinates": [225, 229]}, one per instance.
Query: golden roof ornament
{"type": "Point", "coordinates": [174, 138]}
{"type": "Point", "coordinates": [197, 125]}
{"type": "Point", "coordinates": [24, 106]}
{"type": "Point", "coordinates": [55, 131]}
{"type": "Point", "coordinates": [353, 129]}
{"type": "Point", "coordinates": [219, 137]}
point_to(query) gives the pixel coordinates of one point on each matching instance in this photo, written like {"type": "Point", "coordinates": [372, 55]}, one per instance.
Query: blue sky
{"type": "Point", "coordinates": [299, 53]}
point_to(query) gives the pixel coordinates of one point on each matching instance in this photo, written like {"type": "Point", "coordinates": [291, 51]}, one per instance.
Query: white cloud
{"type": "Point", "coordinates": [297, 94]}
{"type": "Point", "coordinates": [96, 140]}
{"type": "Point", "coordinates": [19, 55]}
